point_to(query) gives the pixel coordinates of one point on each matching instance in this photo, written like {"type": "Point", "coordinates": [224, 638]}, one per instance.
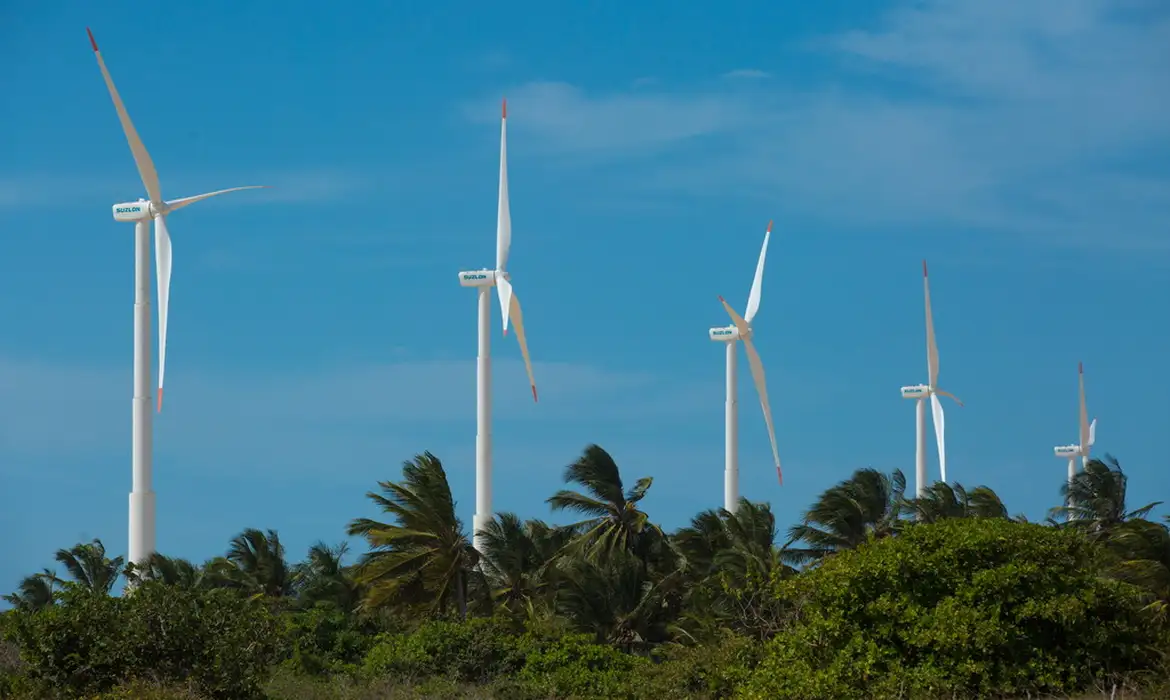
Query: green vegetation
{"type": "Point", "coordinates": [873, 596]}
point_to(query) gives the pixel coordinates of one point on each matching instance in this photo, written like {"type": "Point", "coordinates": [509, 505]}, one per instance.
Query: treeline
{"type": "Point", "coordinates": [873, 595]}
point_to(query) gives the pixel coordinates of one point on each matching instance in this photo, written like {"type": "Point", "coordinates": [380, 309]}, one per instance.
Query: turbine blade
{"type": "Point", "coordinates": [1093, 432]}
{"type": "Point", "coordinates": [518, 324]}
{"type": "Point", "coordinates": [1084, 417]}
{"type": "Point", "coordinates": [757, 368]}
{"type": "Point", "coordinates": [162, 260]}
{"type": "Point", "coordinates": [753, 304]}
{"type": "Point", "coordinates": [954, 398]}
{"type": "Point", "coordinates": [504, 291]}
{"type": "Point", "coordinates": [740, 324]}
{"type": "Point", "coordinates": [940, 428]}
{"type": "Point", "coordinates": [175, 204]}
{"type": "Point", "coordinates": [504, 215]}
{"type": "Point", "coordinates": [931, 346]}
{"type": "Point", "coordinates": [141, 158]}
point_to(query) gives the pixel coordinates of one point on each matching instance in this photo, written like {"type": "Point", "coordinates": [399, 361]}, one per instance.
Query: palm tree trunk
{"type": "Point", "coordinates": [461, 594]}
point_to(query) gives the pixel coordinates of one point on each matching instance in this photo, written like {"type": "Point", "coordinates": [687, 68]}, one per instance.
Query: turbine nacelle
{"type": "Point", "coordinates": [919, 391]}
{"type": "Point", "coordinates": [725, 334]}
{"type": "Point", "coordinates": [131, 212]}
{"type": "Point", "coordinates": [480, 278]}
{"type": "Point", "coordinates": [1067, 451]}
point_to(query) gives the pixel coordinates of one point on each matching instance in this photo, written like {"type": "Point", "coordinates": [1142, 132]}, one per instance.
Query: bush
{"type": "Point", "coordinates": [514, 666]}
{"type": "Point", "coordinates": [325, 639]}
{"type": "Point", "coordinates": [144, 690]}
{"type": "Point", "coordinates": [474, 651]}
{"type": "Point", "coordinates": [219, 642]}
{"type": "Point", "coordinates": [711, 670]}
{"type": "Point", "coordinates": [576, 667]}
{"type": "Point", "coordinates": [967, 608]}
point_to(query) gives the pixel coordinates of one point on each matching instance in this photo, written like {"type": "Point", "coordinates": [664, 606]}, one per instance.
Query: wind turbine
{"type": "Point", "coordinates": [141, 213]}
{"type": "Point", "coordinates": [1088, 433]}
{"type": "Point", "coordinates": [510, 307]}
{"type": "Point", "coordinates": [741, 329]}
{"type": "Point", "coordinates": [920, 393]}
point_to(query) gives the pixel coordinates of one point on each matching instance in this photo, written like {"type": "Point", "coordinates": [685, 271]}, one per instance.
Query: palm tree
{"type": "Point", "coordinates": [613, 521]}
{"type": "Point", "coordinates": [172, 571]}
{"type": "Point", "coordinates": [699, 543]}
{"type": "Point", "coordinates": [322, 577]}
{"type": "Point", "coordinates": [424, 555]}
{"type": "Point", "coordinates": [35, 592]}
{"type": "Point", "coordinates": [518, 557]}
{"type": "Point", "coordinates": [617, 599]}
{"type": "Point", "coordinates": [730, 560]}
{"type": "Point", "coordinates": [751, 536]}
{"type": "Point", "coordinates": [742, 543]}
{"type": "Point", "coordinates": [942, 500]}
{"type": "Point", "coordinates": [1096, 498]}
{"type": "Point", "coordinates": [260, 565]}
{"type": "Point", "coordinates": [1142, 552]}
{"type": "Point", "coordinates": [867, 505]}
{"type": "Point", "coordinates": [89, 567]}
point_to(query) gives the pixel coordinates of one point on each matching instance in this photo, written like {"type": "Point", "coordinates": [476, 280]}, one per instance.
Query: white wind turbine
{"type": "Point", "coordinates": [741, 329]}
{"type": "Point", "coordinates": [510, 307]}
{"type": "Point", "coordinates": [1088, 433]}
{"type": "Point", "coordinates": [141, 213]}
{"type": "Point", "coordinates": [920, 392]}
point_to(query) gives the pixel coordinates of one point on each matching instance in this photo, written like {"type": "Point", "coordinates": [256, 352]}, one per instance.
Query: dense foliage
{"type": "Point", "coordinates": [872, 595]}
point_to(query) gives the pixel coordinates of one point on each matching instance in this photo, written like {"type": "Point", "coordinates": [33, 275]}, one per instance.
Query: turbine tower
{"type": "Point", "coordinates": [484, 280]}
{"type": "Point", "coordinates": [1088, 433]}
{"type": "Point", "coordinates": [741, 329]}
{"type": "Point", "coordinates": [920, 393]}
{"type": "Point", "coordinates": [141, 213]}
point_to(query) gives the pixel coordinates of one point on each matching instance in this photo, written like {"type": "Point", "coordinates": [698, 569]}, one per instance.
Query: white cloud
{"type": "Point", "coordinates": [306, 421]}
{"type": "Point", "coordinates": [568, 120]}
{"type": "Point", "coordinates": [1022, 118]}
{"type": "Point", "coordinates": [304, 186]}
{"type": "Point", "coordinates": [747, 73]}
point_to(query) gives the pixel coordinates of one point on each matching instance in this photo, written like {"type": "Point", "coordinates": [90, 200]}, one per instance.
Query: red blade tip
{"type": "Point", "coordinates": [534, 399]}
{"type": "Point", "coordinates": [779, 476]}
{"type": "Point", "coordinates": [769, 226]}
{"type": "Point", "coordinates": [92, 41]}
{"type": "Point", "coordinates": [504, 108]}
{"type": "Point", "coordinates": [721, 298]}
{"type": "Point", "coordinates": [1080, 368]}
{"type": "Point", "coordinates": [924, 268]}
{"type": "Point", "coordinates": [160, 399]}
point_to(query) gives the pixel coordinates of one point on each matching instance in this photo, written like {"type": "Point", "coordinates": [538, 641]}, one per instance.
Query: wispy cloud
{"type": "Point", "coordinates": [304, 421]}
{"type": "Point", "coordinates": [568, 120]}
{"type": "Point", "coordinates": [314, 186]}
{"type": "Point", "coordinates": [298, 186]}
{"type": "Point", "coordinates": [1047, 118]}
{"type": "Point", "coordinates": [747, 73]}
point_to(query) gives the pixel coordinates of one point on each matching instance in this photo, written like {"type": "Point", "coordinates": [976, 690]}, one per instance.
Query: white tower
{"type": "Point", "coordinates": [741, 329]}
{"type": "Point", "coordinates": [484, 280]}
{"type": "Point", "coordinates": [1087, 430]}
{"type": "Point", "coordinates": [141, 213]}
{"type": "Point", "coordinates": [922, 392]}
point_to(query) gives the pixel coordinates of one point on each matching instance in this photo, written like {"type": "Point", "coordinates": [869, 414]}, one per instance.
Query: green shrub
{"type": "Point", "coordinates": [576, 667]}
{"type": "Point", "coordinates": [489, 652]}
{"type": "Point", "coordinates": [474, 651]}
{"type": "Point", "coordinates": [145, 690]}
{"type": "Point", "coordinates": [711, 670]}
{"type": "Point", "coordinates": [325, 639]}
{"type": "Point", "coordinates": [965, 607]}
{"type": "Point", "coordinates": [221, 643]}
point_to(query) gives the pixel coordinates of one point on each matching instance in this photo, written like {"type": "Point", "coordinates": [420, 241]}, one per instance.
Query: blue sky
{"type": "Point", "coordinates": [319, 336]}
